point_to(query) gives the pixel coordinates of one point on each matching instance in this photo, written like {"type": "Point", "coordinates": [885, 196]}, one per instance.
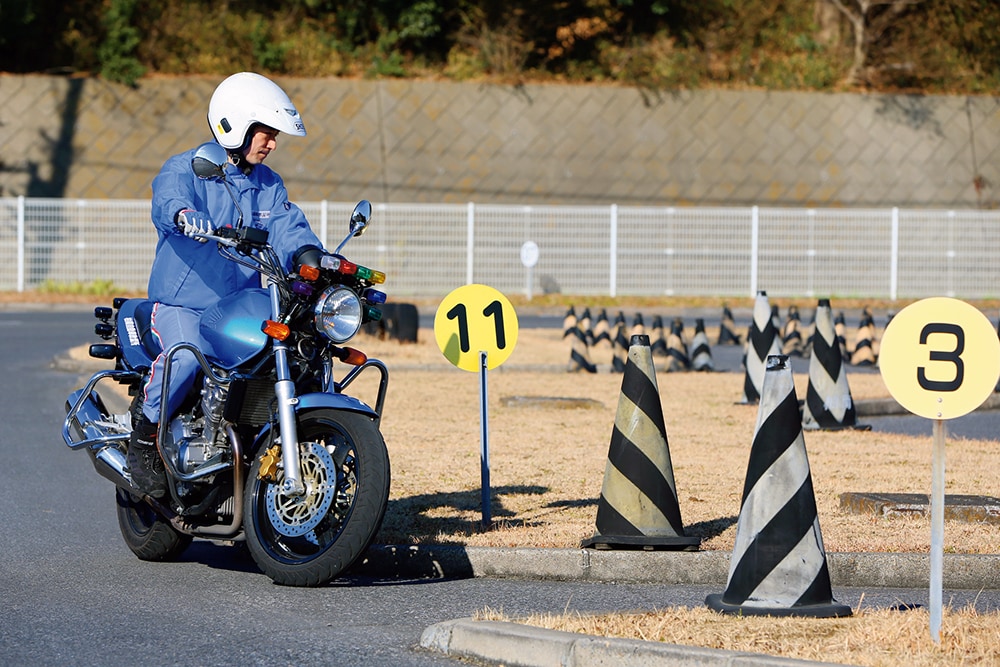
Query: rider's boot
{"type": "Point", "coordinates": [144, 462]}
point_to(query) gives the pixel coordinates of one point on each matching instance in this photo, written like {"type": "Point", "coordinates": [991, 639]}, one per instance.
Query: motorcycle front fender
{"type": "Point", "coordinates": [321, 400]}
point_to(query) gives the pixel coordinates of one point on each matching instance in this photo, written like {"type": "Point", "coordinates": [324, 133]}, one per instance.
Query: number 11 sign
{"type": "Point", "coordinates": [476, 330]}
{"type": "Point", "coordinates": [940, 359]}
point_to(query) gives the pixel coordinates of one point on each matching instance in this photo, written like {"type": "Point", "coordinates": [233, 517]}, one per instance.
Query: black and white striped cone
{"type": "Point", "coordinates": [778, 566]}
{"type": "Point", "coordinates": [701, 351]}
{"type": "Point", "coordinates": [602, 335]}
{"type": "Point", "coordinates": [762, 341]}
{"type": "Point", "coordinates": [808, 332]}
{"type": "Point", "coordinates": [638, 505]}
{"type": "Point", "coordinates": [583, 324]}
{"type": "Point", "coordinates": [840, 326]}
{"type": "Point", "coordinates": [864, 338]}
{"type": "Point", "coordinates": [619, 352]}
{"type": "Point", "coordinates": [638, 326]}
{"type": "Point", "coordinates": [579, 355]}
{"type": "Point", "coordinates": [677, 351]}
{"type": "Point", "coordinates": [659, 346]}
{"type": "Point", "coordinates": [569, 322]}
{"type": "Point", "coordinates": [727, 329]}
{"type": "Point", "coordinates": [828, 405]}
{"type": "Point", "coordinates": [791, 333]}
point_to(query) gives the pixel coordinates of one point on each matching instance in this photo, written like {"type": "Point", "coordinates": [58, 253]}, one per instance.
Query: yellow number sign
{"type": "Point", "coordinates": [474, 319]}
{"type": "Point", "coordinates": [940, 358]}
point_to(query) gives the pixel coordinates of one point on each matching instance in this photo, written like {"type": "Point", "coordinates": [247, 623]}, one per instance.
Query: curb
{"type": "Point", "coordinates": [526, 646]}
{"type": "Point", "coordinates": [874, 570]}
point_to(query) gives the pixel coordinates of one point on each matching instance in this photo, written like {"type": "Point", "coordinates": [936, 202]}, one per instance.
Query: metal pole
{"type": "Point", "coordinates": [20, 243]}
{"type": "Point", "coordinates": [894, 258]}
{"type": "Point", "coordinates": [754, 248]}
{"type": "Point", "coordinates": [937, 529]}
{"type": "Point", "coordinates": [613, 252]}
{"type": "Point", "coordinates": [484, 439]}
{"type": "Point", "coordinates": [470, 241]}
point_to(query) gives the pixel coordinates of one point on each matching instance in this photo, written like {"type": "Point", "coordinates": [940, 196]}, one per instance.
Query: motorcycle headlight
{"type": "Point", "coordinates": [338, 314]}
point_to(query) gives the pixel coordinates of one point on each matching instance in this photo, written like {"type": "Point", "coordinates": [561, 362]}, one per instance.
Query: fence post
{"type": "Point", "coordinates": [470, 241]}
{"type": "Point", "coordinates": [20, 243]}
{"type": "Point", "coordinates": [613, 252]}
{"type": "Point", "coordinates": [323, 222]}
{"type": "Point", "coordinates": [894, 256]}
{"type": "Point", "coordinates": [754, 248]}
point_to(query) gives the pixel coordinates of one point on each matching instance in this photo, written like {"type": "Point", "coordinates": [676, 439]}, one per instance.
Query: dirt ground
{"type": "Point", "coordinates": [547, 460]}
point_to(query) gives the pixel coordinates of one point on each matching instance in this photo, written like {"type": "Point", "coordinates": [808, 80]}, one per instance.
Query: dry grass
{"type": "Point", "coordinates": [547, 463]}
{"type": "Point", "coordinates": [871, 637]}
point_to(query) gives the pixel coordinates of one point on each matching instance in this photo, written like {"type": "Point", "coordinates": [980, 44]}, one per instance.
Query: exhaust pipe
{"type": "Point", "coordinates": [109, 462]}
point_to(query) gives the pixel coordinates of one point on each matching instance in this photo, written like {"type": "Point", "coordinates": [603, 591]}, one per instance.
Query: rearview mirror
{"type": "Point", "coordinates": [209, 161]}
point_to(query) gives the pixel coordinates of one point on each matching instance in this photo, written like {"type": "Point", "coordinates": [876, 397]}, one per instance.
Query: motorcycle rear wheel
{"type": "Point", "coordinates": [310, 540]}
{"type": "Point", "coordinates": [147, 534]}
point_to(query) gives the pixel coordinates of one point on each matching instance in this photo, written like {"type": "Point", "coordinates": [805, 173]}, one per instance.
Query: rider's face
{"type": "Point", "coordinates": [263, 141]}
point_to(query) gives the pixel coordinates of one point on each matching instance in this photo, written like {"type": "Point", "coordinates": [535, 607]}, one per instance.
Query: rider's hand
{"type": "Point", "coordinates": [193, 223]}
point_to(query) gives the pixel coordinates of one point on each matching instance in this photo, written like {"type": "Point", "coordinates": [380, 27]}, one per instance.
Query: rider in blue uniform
{"type": "Point", "coordinates": [246, 113]}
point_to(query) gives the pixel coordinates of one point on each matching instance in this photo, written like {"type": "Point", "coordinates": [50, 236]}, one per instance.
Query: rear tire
{"type": "Point", "coordinates": [312, 539]}
{"type": "Point", "coordinates": [147, 534]}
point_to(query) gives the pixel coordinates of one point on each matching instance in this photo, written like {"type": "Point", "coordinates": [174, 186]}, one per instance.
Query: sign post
{"type": "Point", "coordinates": [529, 257]}
{"type": "Point", "coordinates": [476, 330]}
{"type": "Point", "coordinates": [940, 359]}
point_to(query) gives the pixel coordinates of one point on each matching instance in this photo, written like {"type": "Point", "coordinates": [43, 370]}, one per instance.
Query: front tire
{"type": "Point", "coordinates": [312, 539]}
{"type": "Point", "coordinates": [147, 534]}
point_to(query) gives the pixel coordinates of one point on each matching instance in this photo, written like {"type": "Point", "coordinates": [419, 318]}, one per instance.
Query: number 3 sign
{"type": "Point", "coordinates": [940, 358]}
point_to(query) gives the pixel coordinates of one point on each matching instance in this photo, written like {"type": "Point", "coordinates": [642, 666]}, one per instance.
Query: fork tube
{"type": "Point", "coordinates": [284, 389]}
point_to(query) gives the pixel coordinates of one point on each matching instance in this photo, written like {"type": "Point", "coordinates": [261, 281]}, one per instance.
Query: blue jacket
{"type": "Point", "coordinates": [192, 274]}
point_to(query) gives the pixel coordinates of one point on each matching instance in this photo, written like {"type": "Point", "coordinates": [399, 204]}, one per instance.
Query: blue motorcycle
{"type": "Point", "coordinates": [267, 448]}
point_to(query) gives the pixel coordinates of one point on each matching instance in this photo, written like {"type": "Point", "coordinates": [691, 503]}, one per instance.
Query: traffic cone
{"type": "Point", "coordinates": [828, 405]}
{"type": "Point", "coordinates": [569, 322]}
{"type": "Point", "coordinates": [778, 566]}
{"type": "Point", "coordinates": [638, 505]}
{"type": "Point", "coordinates": [762, 341]}
{"type": "Point", "coordinates": [659, 346]}
{"type": "Point", "coordinates": [727, 329]}
{"type": "Point", "coordinates": [864, 354]}
{"type": "Point", "coordinates": [601, 329]}
{"type": "Point", "coordinates": [677, 350]}
{"type": "Point", "coordinates": [579, 356]}
{"type": "Point", "coordinates": [701, 351]}
{"type": "Point", "coordinates": [840, 327]}
{"type": "Point", "coordinates": [619, 352]}
{"type": "Point", "coordinates": [638, 326]}
{"type": "Point", "coordinates": [791, 333]}
{"type": "Point", "coordinates": [584, 325]}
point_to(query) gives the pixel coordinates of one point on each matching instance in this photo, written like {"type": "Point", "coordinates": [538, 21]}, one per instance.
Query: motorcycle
{"type": "Point", "coordinates": [267, 449]}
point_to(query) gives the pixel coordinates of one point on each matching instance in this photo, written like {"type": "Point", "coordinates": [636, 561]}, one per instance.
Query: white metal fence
{"type": "Point", "coordinates": [428, 250]}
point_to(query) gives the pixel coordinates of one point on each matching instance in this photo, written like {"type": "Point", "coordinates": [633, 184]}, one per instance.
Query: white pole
{"type": "Point", "coordinates": [754, 248]}
{"type": "Point", "coordinates": [937, 529]}
{"type": "Point", "coordinates": [613, 252]}
{"type": "Point", "coordinates": [894, 257]}
{"type": "Point", "coordinates": [322, 221]}
{"type": "Point", "coordinates": [20, 243]}
{"type": "Point", "coordinates": [470, 241]}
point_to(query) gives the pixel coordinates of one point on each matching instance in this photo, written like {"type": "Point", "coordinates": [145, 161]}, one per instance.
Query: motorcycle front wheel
{"type": "Point", "coordinates": [311, 539]}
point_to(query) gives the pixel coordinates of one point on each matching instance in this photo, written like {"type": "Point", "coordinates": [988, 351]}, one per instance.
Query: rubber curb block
{"type": "Point", "coordinates": [874, 570]}
{"type": "Point", "coordinates": [515, 644]}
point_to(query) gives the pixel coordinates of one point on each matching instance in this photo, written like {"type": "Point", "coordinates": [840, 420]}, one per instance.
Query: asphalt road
{"type": "Point", "coordinates": [72, 593]}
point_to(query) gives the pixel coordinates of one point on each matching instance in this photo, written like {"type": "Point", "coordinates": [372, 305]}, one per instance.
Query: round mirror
{"type": "Point", "coordinates": [209, 161]}
{"type": "Point", "coordinates": [361, 216]}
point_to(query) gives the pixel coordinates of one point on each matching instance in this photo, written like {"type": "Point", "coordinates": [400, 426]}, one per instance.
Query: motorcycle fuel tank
{"type": "Point", "coordinates": [232, 327]}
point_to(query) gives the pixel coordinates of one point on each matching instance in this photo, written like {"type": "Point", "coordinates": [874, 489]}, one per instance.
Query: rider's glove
{"type": "Point", "coordinates": [192, 223]}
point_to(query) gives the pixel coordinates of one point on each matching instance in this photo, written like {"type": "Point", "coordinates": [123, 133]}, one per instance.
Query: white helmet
{"type": "Point", "coordinates": [245, 99]}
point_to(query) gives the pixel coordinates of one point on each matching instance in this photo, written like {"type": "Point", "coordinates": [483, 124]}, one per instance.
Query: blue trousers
{"type": "Point", "coordinates": [172, 325]}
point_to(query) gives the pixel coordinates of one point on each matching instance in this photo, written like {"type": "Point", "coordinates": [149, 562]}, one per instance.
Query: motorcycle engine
{"type": "Point", "coordinates": [191, 441]}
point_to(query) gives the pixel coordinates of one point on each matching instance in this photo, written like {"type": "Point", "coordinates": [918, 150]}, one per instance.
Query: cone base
{"type": "Point", "coordinates": [845, 427]}
{"type": "Point", "coordinates": [646, 542]}
{"type": "Point", "coordinates": [833, 609]}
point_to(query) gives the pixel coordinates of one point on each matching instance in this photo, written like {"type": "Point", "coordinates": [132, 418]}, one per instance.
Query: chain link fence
{"type": "Point", "coordinates": [429, 249]}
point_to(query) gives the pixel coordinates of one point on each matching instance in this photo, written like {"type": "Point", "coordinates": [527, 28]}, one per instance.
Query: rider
{"type": "Point", "coordinates": [245, 114]}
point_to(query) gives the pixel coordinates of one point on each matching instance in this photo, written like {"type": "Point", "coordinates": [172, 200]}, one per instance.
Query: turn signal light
{"type": "Point", "coordinates": [308, 272]}
{"type": "Point", "coordinates": [351, 356]}
{"type": "Point", "coordinates": [276, 330]}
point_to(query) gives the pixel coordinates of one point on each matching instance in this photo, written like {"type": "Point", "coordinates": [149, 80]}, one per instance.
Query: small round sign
{"type": "Point", "coordinates": [529, 254]}
{"type": "Point", "coordinates": [474, 319]}
{"type": "Point", "coordinates": [940, 358]}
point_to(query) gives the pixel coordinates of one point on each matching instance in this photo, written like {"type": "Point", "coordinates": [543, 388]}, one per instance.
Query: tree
{"type": "Point", "coordinates": [869, 19]}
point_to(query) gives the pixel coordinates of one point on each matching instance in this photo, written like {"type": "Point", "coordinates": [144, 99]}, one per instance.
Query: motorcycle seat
{"type": "Point", "coordinates": [135, 333]}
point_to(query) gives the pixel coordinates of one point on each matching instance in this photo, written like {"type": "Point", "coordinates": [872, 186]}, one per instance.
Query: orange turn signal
{"type": "Point", "coordinates": [309, 272]}
{"type": "Point", "coordinates": [276, 330]}
{"type": "Point", "coordinates": [351, 356]}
